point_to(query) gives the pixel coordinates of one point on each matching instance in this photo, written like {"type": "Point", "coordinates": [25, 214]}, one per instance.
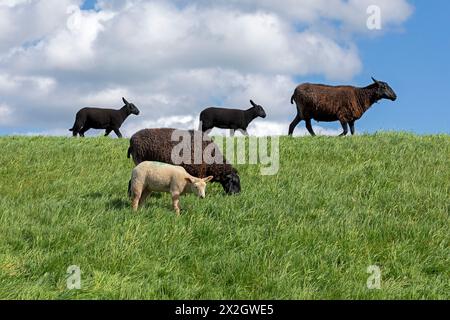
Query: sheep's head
{"type": "Point", "coordinates": [198, 186]}
{"type": "Point", "coordinates": [259, 110]}
{"type": "Point", "coordinates": [131, 107]}
{"type": "Point", "coordinates": [231, 183]}
{"type": "Point", "coordinates": [384, 91]}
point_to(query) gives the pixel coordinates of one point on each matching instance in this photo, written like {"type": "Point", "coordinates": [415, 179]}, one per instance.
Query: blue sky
{"type": "Point", "coordinates": [89, 4]}
{"type": "Point", "coordinates": [416, 63]}
{"type": "Point", "coordinates": [412, 58]}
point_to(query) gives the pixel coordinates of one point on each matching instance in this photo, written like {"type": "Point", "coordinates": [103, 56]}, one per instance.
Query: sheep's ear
{"type": "Point", "coordinates": [125, 101]}
{"type": "Point", "coordinates": [189, 180]}
{"type": "Point", "coordinates": [375, 80]}
{"type": "Point", "coordinates": [253, 104]}
{"type": "Point", "coordinates": [206, 180]}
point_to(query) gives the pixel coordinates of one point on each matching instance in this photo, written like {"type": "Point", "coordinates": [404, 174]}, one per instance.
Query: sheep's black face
{"type": "Point", "coordinates": [231, 184]}
{"type": "Point", "coordinates": [385, 91]}
{"type": "Point", "coordinates": [133, 109]}
{"type": "Point", "coordinates": [259, 110]}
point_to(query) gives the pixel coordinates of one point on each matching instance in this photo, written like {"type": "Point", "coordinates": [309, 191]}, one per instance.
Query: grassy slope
{"type": "Point", "coordinates": [336, 207]}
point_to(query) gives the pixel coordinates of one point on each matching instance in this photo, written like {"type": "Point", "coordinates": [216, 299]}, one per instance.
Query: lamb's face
{"type": "Point", "coordinates": [259, 110]}
{"type": "Point", "coordinates": [131, 107]}
{"type": "Point", "coordinates": [134, 109]}
{"type": "Point", "coordinates": [199, 189]}
{"type": "Point", "coordinates": [198, 186]}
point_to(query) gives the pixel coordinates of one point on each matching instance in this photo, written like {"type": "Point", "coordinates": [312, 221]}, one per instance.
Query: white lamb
{"type": "Point", "coordinates": [151, 176]}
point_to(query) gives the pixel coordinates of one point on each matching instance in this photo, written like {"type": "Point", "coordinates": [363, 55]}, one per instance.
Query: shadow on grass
{"type": "Point", "coordinates": [125, 203]}
{"type": "Point", "coordinates": [118, 204]}
{"type": "Point", "coordinates": [94, 195]}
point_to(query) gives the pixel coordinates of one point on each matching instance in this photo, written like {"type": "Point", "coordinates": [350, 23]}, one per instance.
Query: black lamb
{"type": "Point", "coordinates": [232, 119]}
{"type": "Point", "coordinates": [108, 119]}
{"type": "Point", "coordinates": [157, 145]}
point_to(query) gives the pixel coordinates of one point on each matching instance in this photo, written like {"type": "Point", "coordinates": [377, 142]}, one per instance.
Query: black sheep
{"type": "Point", "coordinates": [157, 145]}
{"type": "Point", "coordinates": [232, 119]}
{"type": "Point", "coordinates": [108, 119]}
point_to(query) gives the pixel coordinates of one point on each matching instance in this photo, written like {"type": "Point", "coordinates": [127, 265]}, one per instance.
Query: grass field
{"type": "Point", "coordinates": [337, 206]}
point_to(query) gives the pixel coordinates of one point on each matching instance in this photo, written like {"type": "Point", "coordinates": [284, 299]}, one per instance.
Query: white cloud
{"type": "Point", "coordinates": [106, 97]}
{"type": "Point", "coordinates": [186, 122]}
{"type": "Point", "coordinates": [270, 128]}
{"type": "Point", "coordinates": [5, 114]}
{"type": "Point", "coordinates": [72, 47]}
{"type": "Point", "coordinates": [154, 37]}
{"type": "Point", "coordinates": [21, 84]}
{"type": "Point", "coordinates": [12, 3]}
{"type": "Point", "coordinates": [350, 14]}
{"type": "Point", "coordinates": [174, 58]}
{"type": "Point", "coordinates": [45, 133]}
{"type": "Point", "coordinates": [27, 21]}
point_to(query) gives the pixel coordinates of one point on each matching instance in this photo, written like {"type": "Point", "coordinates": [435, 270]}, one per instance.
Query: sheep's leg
{"type": "Point", "coordinates": [83, 131]}
{"type": "Point", "coordinates": [136, 200]}
{"type": "Point", "coordinates": [144, 196]}
{"type": "Point", "coordinates": [309, 127]}
{"type": "Point", "coordinates": [108, 131]}
{"type": "Point", "coordinates": [118, 134]}
{"type": "Point", "coordinates": [352, 127]}
{"type": "Point", "coordinates": [244, 132]}
{"type": "Point", "coordinates": [345, 127]}
{"type": "Point", "coordinates": [294, 124]}
{"type": "Point", "coordinates": [76, 127]}
{"type": "Point", "coordinates": [205, 128]}
{"type": "Point", "coordinates": [176, 203]}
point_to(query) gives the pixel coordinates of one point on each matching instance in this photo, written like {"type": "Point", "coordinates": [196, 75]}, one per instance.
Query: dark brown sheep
{"type": "Point", "coordinates": [342, 103]}
{"type": "Point", "coordinates": [157, 145]}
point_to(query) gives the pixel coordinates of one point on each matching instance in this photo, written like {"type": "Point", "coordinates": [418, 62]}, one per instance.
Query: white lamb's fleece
{"type": "Point", "coordinates": [151, 176]}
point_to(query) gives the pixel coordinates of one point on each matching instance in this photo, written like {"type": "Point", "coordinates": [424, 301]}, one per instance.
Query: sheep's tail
{"type": "Point", "coordinates": [129, 189]}
{"type": "Point", "coordinates": [130, 150]}
{"type": "Point", "coordinates": [71, 129]}
{"type": "Point", "coordinates": [293, 98]}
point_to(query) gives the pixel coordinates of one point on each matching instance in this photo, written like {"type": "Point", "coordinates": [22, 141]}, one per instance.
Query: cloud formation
{"type": "Point", "coordinates": [172, 58]}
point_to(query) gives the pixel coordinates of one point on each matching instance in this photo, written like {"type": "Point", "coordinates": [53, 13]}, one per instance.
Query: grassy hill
{"type": "Point", "coordinates": [337, 206]}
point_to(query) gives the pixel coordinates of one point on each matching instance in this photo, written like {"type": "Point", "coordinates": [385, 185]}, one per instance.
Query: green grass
{"type": "Point", "coordinates": [336, 207]}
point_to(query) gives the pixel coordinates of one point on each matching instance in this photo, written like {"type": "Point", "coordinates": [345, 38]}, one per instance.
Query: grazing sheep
{"type": "Point", "coordinates": [157, 145]}
{"type": "Point", "coordinates": [232, 119]}
{"type": "Point", "coordinates": [344, 103]}
{"type": "Point", "coordinates": [108, 119]}
{"type": "Point", "coordinates": [150, 177]}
